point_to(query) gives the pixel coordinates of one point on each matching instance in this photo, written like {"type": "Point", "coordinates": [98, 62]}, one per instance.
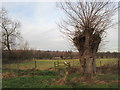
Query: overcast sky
{"type": "Point", "coordinates": [39, 26]}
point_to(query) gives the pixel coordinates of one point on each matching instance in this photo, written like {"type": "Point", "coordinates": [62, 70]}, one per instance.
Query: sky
{"type": "Point", "coordinates": [39, 26]}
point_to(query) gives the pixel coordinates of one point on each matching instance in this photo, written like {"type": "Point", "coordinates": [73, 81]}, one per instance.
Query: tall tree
{"type": "Point", "coordinates": [85, 25]}
{"type": "Point", "coordinates": [9, 30]}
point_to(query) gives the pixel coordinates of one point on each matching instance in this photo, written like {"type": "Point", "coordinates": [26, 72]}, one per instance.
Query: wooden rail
{"type": "Point", "coordinates": [58, 64]}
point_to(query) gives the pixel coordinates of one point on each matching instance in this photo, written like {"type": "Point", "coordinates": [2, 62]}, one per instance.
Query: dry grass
{"type": "Point", "coordinates": [8, 75]}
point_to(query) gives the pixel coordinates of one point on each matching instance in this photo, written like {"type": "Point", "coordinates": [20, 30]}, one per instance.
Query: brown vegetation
{"type": "Point", "coordinates": [8, 75]}
{"type": "Point", "coordinates": [105, 70]}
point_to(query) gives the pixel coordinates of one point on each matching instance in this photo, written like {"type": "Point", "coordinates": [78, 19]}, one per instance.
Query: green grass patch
{"type": "Point", "coordinates": [105, 61]}
{"type": "Point", "coordinates": [108, 77]}
{"type": "Point", "coordinates": [43, 79]}
{"type": "Point", "coordinates": [47, 81]}
{"type": "Point", "coordinates": [102, 86]}
{"type": "Point", "coordinates": [27, 82]}
{"type": "Point", "coordinates": [45, 64]}
{"type": "Point", "coordinates": [73, 76]}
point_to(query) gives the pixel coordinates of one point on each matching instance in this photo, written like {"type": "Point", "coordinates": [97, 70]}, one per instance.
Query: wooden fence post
{"type": "Point", "coordinates": [35, 64]}
{"type": "Point", "coordinates": [18, 69]}
{"type": "Point", "coordinates": [68, 64]}
{"type": "Point", "coordinates": [55, 65]}
{"type": "Point", "coordinates": [58, 65]}
{"type": "Point", "coordinates": [118, 66]}
{"type": "Point", "coordinates": [100, 67]}
{"type": "Point", "coordinates": [73, 62]}
{"type": "Point", "coordinates": [118, 63]}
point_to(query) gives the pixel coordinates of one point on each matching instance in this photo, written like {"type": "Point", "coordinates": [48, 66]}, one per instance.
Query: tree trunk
{"type": "Point", "coordinates": [87, 59]}
{"type": "Point", "coordinates": [8, 43]}
{"type": "Point", "coordinates": [88, 65]}
{"type": "Point", "coordinates": [94, 65]}
{"type": "Point", "coordinates": [8, 47]}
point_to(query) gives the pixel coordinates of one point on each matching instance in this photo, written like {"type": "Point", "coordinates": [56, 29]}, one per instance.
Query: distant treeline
{"type": "Point", "coordinates": [21, 55]}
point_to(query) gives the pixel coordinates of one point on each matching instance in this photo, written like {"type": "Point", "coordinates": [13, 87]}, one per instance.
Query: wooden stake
{"type": "Point", "coordinates": [18, 69]}
{"type": "Point", "coordinates": [100, 67]}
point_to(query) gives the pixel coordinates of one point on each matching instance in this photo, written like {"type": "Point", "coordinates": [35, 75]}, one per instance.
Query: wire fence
{"type": "Point", "coordinates": [31, 67]}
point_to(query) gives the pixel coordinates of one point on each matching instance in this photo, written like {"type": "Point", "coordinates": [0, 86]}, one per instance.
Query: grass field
{"type": "Point", "coordinates": [45, 64]}
{"type": "Point", "coordinates": [43, 78]}
{"type": "Point", "coordinates": [49, 79]}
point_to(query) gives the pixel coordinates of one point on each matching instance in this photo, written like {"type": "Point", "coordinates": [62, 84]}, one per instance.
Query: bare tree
{"type": "Point", "coordinates": [9, 30]}
{"type": "Point", "coordinates": [85, 25]}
